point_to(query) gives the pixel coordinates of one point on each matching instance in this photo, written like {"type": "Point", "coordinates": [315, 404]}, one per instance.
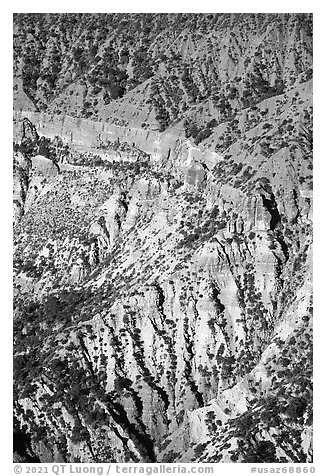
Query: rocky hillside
{"type": "Point", "coordinates": [163, 237]}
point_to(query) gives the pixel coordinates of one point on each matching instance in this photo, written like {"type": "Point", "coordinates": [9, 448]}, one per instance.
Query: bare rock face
{"type": "Point", "coordinates": [163, 279]}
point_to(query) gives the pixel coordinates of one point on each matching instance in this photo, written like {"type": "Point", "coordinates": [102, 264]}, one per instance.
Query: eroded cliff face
{"type": "Point", "coordinates": [163, 288]}
{"type": "Point", "coordinates": [160, 306]}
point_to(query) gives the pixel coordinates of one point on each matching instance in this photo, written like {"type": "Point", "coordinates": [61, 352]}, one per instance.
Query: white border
{"type": "Point", "coordinates": [167, 6]}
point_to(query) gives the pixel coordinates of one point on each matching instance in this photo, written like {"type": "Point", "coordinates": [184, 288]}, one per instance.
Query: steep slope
{"type": "Point", "coordinates": [151, 70]}
{"type": "Point", "coordinates": [163, 277]}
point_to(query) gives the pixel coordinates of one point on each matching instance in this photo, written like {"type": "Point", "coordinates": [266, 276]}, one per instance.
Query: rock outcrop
{"type": "Point", "coordinates": [163, 285]}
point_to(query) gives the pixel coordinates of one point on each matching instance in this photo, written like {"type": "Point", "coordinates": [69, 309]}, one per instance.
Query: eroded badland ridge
{"type": "Point", "coordinates": [163, 237]}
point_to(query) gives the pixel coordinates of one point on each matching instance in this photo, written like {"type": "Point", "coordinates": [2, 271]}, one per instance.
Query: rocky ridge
{"type": "Point", "coordinates": [163, 285]}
